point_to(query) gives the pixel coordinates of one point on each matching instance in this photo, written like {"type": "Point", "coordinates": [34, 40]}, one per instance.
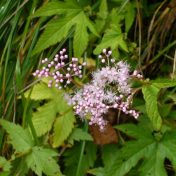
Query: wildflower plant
{"type": "Point", "coordinates": [109, 88]}
{"type": "Point", "coordinates": [60, 71]}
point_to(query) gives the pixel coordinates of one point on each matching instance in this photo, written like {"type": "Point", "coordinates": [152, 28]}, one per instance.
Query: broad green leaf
{"type": "Point", "coordinates": [150, 94]}
{"type": "Point", "coordinates": [81, 36]}
{"type": "Point", "coordinates": [113, 38]}
{"type": "Point", "coordinates": [134, 131]}
{"type": "Point", "coordinates": [59, 28]}
{"type": "Point", "coordinates": [129, 16]}
{"type": "Point", "coordinates": [20, 138]}
{"type": "Point", "coordinates": [55, 31]}
{"type": "Point", "coordinates": [79, 134]}
{"type": "Point", "coordinates": [101, 16]}
{"type": "Point", "coordinates": [45, 115]}
{"type": "Point", "coordinates": [72, 155]}
{"type": "Point", "coordinates": [163, 83]}
{"type": "Point", "coordinates": [40, 92]}
{"type": "Point", "coordinates": [150, 151]}
{"type": "Point", "coordinates": [57, 7]}
{"type": "Point", "coordinates": [109, 151]}
{"type": "Point", "coordinates": [154, 163]}
{"type": "Point", "coordinates": [62, 128]}
{"type": "Point", "coordinates": [131, 154]}
{"type": "Point", "coordinates": [169, 147]}
{"type": "Point", "coordinates": [5, 167]}
{"type": "Point", "coordinates": [40, 160]}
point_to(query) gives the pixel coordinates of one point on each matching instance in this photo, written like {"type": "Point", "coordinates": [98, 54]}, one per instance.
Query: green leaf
{"type": "Point", "coordinates": [154, 163]}
{"type": "Point", "coordinates": [147, 150]}
{"type": "Point", "coordinates": [163, 83]}
{"type": "Point", "coordinates": [45, 115]}
{"type": "Point", "coordinates": [41, 160]}
{"type": "Point", "coordinates": [109, 153]}
{"type": "Point", "coordinates": [113, 38]}
{"type": "Point", "coordinates": [71, 157]}
{"type": "Point", "coordinates": [57, 7]}
{"type": "Point", "coordinates": [131, 153]}
{"type": "Point", "coordinates": [41, 92]}
{"type": "Point", "coordinates": [58, 29]}
{"type": "Point", "coordinates": [150, 95]}
{"type": "Point", "coordinates": [97, 171]}
{"type": "Point", "coordinates": [55, 31]}
{"type": "Point", "coordinates": [5, 167]}
{"type": "Point", "coordinates": [101, 16]}
{"type": "Point", "coordinates": [134, 131]}
{"type": "Point", "coordinates": [79, 134]}
{"type": "Point", "coordinates": [129, 16]}
{"type": "Point", "coordinates": [62, 128]}
{"type": "Point", "coordinates": [19, 167]}
{"type": "Point", "coordinates": [20, 138]}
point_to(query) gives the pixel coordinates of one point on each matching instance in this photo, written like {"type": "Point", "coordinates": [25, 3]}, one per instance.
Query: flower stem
{"type": "Point", "coordinates": [82, 151]}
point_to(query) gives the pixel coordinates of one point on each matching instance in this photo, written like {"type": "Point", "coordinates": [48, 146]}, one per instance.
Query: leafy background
{"type": "Point", "coordinates": [40, 134]}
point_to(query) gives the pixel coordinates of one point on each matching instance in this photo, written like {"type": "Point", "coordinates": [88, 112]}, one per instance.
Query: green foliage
{"type": "Point", "coordinates": [58, 29]}
{"type": "Point", "coordinates": [151, 148]}
{"type": "Point", "coordinates": [46, 115]}
{"type": "Point", "coordinates": [41, 160]}
{"type": "Point", "coordinates": [150, 95]}
{"type": "Point", "coordinates": [71, 159]}
{"type": "Point", "coordinates": [113, 38]}
{"type": "Point", "coordinates": [78, 134]}
{"type": "Point", "coordinates": [38, 120]}
{"type": "Point", "coordinates": [5, 167]}
{"type": "Point", "coordinates": [37, 158]}
{"type": "Point", "coordinates": [20, 138]}
{"type": "Point", "coordinates": [62, 128]}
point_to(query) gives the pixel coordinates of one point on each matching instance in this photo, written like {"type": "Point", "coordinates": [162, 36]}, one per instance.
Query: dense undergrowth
{"type": "Point", "coordinates": [40, 132]}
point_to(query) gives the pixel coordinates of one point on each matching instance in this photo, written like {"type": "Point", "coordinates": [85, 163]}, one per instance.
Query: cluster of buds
{"type": "Point", "coordinates": [109, 88]}
{"type": "Point", "coordinates": [60, 71]}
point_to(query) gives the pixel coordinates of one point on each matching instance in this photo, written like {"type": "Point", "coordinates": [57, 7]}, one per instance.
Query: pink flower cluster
{"type": "Point", "coordinates": [109, 88]}
{"type": "Point", "coordinates": [59, 70]}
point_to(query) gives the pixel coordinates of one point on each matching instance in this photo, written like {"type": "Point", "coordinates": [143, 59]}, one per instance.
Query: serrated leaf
{"type": "Point", "coordinates": [132, 153]}
{"type": "Point", "coordinates": [45, 115]}
{"type": "Point", "coordinates": [149, 151]}
{"type": "Point", "coordinates": [109, 153]}
{"type": "Point", "coordinates": [154, 163]}
{"type": "Point", "coordinates": [150, 94]}
{"type": "Point", "coordinates": [40, 160]}
{"type": "Point", "coordinates": [101, 16]}
{"type": "Point", "coordinates": [81, 36]}
{"type": "Point", "coordinates": [20, 138]}
{"type": "Point", "coordinates": [5, 167]}
{"type": "Point", "coordinates": [58, 29]}
{"type": "Point", "coordinates": [72, 155]}
{"type": "Point", "coordinates": [55, 31]}
{"type": "Point", "coordinates": [62, 128]}
{"type": "Point", "coordinates": [56, 7]}
{"type": "Point", "coordinates": [40, 92]}
{"type": "Point", "coordinates": [134, 130]}
{"type": "Point", "coordinates": [79, 134]}
{"type": "Point", "coordinates": [169, 147]}
{"type": "Point", "coordinates": [44, 118]}
{"type": "Point", "coordinates": [113, 38]}
{"type": "Point", "coordinates": [163, 83]}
